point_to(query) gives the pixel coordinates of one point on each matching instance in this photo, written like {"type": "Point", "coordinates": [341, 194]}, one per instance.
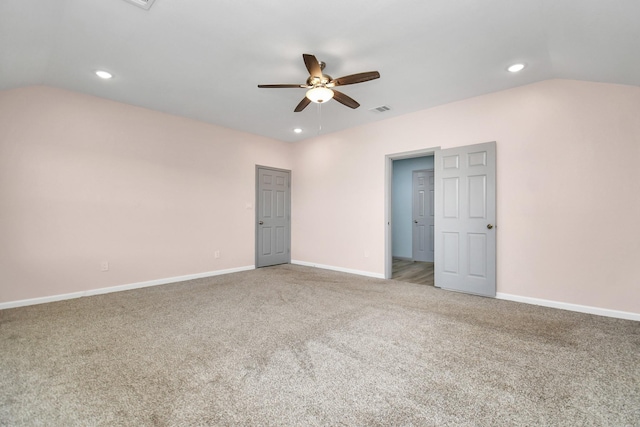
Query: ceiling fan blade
{"type": "Point", "coordinates": [312, 64]}
{"type": "Point", "coordinates": [302, 105]}
{"type": "Point", "coordinates": [356, 78]}
{"type": "Point", "coordinates": [281, 86]}
{"type": "Point", "coordinates": [344, 99]}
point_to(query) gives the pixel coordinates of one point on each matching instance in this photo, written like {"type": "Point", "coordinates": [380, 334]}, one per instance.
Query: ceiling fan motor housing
{"type": "Point", "coordinates": [314, 81]}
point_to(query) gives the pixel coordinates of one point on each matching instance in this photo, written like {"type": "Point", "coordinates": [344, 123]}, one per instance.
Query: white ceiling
{"type": "Point", "coordinates": [203, 59]}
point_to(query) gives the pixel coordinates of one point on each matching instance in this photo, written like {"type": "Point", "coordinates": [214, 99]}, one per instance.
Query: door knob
{"type": "Point", "coordinates": [489, 226]}
{"type": "Point", "coordinates": [415, 220]}
{"type": "Point", "coordinates": [260, 222]}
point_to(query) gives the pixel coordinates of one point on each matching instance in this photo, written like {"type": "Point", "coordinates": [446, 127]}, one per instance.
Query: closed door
{"type": "Point", "coordinates": [273, 216]}
{"type": "Point", "coordinates": [465, 219]}
{"type": "Point", "coordinates": [423, 215]}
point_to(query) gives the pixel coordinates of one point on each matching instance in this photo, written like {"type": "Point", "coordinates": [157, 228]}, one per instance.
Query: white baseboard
{"type": "Point", "coordinates": [571, 307]}
{"type": "Point", "coordinates": [119, 288]}
{"type": "Point", "coordinates": [340, 269]}
{"type": "Point", "coordinates": [508, 297]}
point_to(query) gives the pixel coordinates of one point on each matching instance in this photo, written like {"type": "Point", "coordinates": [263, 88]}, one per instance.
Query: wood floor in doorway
{"type": "Point", "coordinates": [409, 271]}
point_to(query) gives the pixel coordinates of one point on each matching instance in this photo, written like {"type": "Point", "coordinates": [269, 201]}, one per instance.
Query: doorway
{"type": "Point", "coordinates": [465, 215]}
{"type": "Point", "coordinates": [411, 249]}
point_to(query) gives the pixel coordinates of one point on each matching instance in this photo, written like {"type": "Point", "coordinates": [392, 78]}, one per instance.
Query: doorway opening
{"type": "Point", "coordinates": [465, 215]}
{"type": "Point", "coordinates": [409, 206]}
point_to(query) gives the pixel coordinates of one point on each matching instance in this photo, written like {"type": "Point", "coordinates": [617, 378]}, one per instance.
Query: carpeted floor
{"type": "Point", "coordinates": [291, 345]}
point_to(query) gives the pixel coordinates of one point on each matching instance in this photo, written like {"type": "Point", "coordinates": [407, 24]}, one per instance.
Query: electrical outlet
{"type": "Point", "coordinates": [104, 266]}
{"type": "Point", "coordinates": [216, 254]}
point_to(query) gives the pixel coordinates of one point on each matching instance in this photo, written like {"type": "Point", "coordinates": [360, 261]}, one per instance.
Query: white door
{"type": "Point", "coordinates": [422, 216]}
{"type": "Point", "coordinates": [273, 228]}
{"type": "Point", "coordinates": [465, 256]}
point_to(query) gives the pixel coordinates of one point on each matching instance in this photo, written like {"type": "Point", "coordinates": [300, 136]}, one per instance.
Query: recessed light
{"type": "Point", "coordinates": [297, 130]}
{"type": "Point", "coordinates": [104, 74]}
{"type": "Point", "coordinates": [516, 67]}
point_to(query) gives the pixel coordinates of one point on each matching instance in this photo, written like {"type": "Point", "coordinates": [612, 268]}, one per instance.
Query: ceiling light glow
{"type": "Point", "coordinates": [515, 68]}
{"type": "Point", "coordinates": [319, 94]}
{"type": "Point", "coordinates": [297, 130]}
{"type": "Point", "coordinates": [104, 74]}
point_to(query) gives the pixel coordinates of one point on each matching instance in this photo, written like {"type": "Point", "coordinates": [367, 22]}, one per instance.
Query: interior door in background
{"type": "Point", "coordinates": [423, 215]}
{"type": "Point", "coordinates": [273, 216]}
{"type": "Point", "coordinates": [465, 219]}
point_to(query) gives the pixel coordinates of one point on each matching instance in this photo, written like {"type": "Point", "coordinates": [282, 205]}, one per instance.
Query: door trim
{"type": "Point", "coordinates": [388, 185]}
{"type": "Point", "coordinates": [256, 213]}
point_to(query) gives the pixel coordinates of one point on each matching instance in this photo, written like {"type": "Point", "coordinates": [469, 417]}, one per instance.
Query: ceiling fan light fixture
{"type": "Point", "coordinates": [319, 94]}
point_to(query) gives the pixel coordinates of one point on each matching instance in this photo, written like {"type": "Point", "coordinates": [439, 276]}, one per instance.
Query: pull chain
{"type": "Point", "coordinates": [319, 118]}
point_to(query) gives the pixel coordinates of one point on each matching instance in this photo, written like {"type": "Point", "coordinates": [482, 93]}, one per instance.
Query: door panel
{"type": "Point", "coordinates": [267, 203]}
{"type": "Point", "coordinates": [477, 196]}
{"type": "Point", "coordinates": [266, 241]}
{"type": "Point", "coordinates": [477, 255]}
{"type": "Point", "coordinates": [451, 244]}
{"type": "Point", "coordinates": [451, 197]}
{"type": "Point", "coordinates": [273, 205]}
{"type": "Point", "coordinates": [465, 235]}
{"type": "Point", "coordinates": [280, 245]}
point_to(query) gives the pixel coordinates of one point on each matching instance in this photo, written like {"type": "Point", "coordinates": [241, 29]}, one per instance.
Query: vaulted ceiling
{"type": "Point", "coordinates": [203, 59]}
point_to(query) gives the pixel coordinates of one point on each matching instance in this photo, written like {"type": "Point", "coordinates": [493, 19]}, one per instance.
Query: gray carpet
{"type": "Point", "coordinates": [291, 345]}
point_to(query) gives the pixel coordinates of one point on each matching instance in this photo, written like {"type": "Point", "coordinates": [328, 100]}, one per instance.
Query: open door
{"type": "Point", "coordinates": [465, 255]}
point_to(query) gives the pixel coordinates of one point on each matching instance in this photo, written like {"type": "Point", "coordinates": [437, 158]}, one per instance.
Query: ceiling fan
{"type": "Point", "coordinates": [321, 86]}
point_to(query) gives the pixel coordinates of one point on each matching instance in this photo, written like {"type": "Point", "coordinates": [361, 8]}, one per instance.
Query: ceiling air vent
{"type": "Point", "coordinates": [381, 109]}
{"type": "Point", "coordinates": [145, 4]}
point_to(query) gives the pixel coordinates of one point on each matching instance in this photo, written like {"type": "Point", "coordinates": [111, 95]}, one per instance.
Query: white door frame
{"type": "Point", "coordinates": [388, 181]}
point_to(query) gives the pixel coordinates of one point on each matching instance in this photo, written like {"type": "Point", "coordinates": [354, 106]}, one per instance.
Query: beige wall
{"type": "Point", "coordinates": [84, 180]}
{"type": "Point", "coordinates": [568, 188]}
